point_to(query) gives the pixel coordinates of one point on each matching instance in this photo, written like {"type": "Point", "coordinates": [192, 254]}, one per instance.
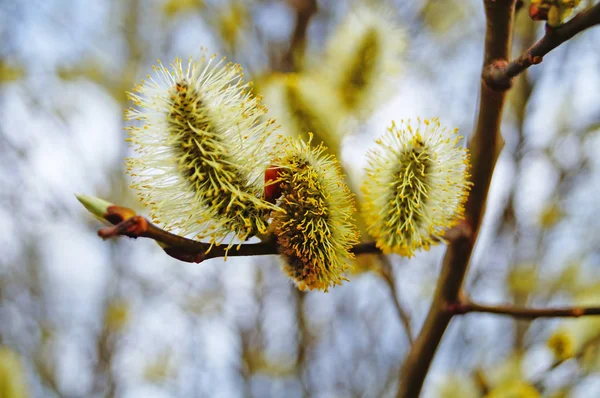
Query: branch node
{"type": "Point", "coordinates": [495, 77]}
{"type": "Point", "coordinates": [133, 227]}
{"type": "Point", "coordinates": [577, 312]}
{"type": "Point", "coordinates": [463, 229]}
{"type": "Point", "coordinates": [454, 308]}
{"type": "Point", "coordinates": [116, 214]}
{"type": "Point", "coordinates": [535, 59]}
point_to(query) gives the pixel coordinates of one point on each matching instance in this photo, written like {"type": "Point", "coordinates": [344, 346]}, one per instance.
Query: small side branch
{"type": "Point", "coordinates": [388, 276]}
{"type": "Point", "coordinates": [522, 313]}
{"type": "Point", "coordinates": [305, 9]}
{"type": "Point", "coordinates": [499, 74]}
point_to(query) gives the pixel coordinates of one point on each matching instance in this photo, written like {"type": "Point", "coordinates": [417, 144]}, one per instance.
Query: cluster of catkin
{"type": "Point", "coordinates": [208, 165]}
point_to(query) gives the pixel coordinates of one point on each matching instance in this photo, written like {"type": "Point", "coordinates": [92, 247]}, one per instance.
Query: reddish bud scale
{"type": "Point", "coordinates": [272, 186]}
{"type": "Point", "coordinates": [538, 14]}
{"type": "Point", "coordinates": [117, 214]}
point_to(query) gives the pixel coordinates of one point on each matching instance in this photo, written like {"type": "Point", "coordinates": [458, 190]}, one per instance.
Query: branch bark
{"type": "Point", "coordinates": [484, 147]}
{"type": "Point", "coordinates": [305, 9]}
{"type": "Point", "coordinates": [499, 75]}
{"type": "Point", "coordinates": [387, 275]}
{"type": "Point", "coordinates": [522, 312]}
{"type": "Point", "coordinates": [126, 223]}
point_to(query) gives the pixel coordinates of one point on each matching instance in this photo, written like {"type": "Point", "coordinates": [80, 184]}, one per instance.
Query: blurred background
{"type": "Point", "coordinates": [82, 317]}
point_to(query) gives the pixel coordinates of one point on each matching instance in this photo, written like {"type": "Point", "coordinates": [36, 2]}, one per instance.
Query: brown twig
{"type": "Point", "coordinates": [127, 223]}
{"type": "Point", "coordinates": [184, 249]}
{"type": "Point", "coordinates": [388, 276]}
{"type": "Point", "coordinates": [484, 147]}
{"type": "Point", "coordinates": [305, 9]}
{"type": "Point", "coordinates": [190, 250]}
{"type": "Point", "coordinates": [498, 75]}
{"type": "Point", "coordinates": [466, 307]}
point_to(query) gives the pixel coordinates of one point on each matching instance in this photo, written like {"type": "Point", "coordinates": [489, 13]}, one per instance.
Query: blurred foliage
{"type": "Point", "coordinates": [13, 382]}
{"type": "Point", "coordinates": [522, 279]}
{"type": "Point", "coordinates": [117, 315]}
{"type": "Point", "coordinates": [441, 16]}
{"type": "Point", "coordinates": [514, 388]}
{"type": "Point", "coordinates": [9, 72]}
{"type": "Point", "coordinates": [233, 19]}
{"type": "Point", "coordinates": [173, 7]}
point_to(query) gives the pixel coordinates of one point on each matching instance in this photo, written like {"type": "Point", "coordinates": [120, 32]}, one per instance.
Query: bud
{"type": "Point", "coordinates": [105, 211]}
{"type": "Point", "coordinates": [362, 55]}
{"type": "Point", "coordinates": [201, 150]}
{"type": "Point", "coordinates": [415, 187]}
{"type": "Point", "coordinates": [96, 206]}
{"type": "Point", "coordinates": [553, 11]}
{"type": "Point", "coordinates": [316, 231]}
{"type": "Point", "coordinates": [272, 187]}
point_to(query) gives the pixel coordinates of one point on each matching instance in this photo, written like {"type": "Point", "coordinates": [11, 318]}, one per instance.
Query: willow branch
{"type": "Point", "coordinates": [305, 9]}
{"type": "Point", "coordinates": [499, 75]}
{"type": "Point", "coordinates": [191, 250]}
{"type": "Point", "coordinates": [522, 312]}
{"type": "Point", "coordinates": [484, 147]}
{"type": "Point", "coordinates": [388, 276]}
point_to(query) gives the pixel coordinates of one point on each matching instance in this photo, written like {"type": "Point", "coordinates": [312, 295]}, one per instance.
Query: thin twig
{"type": "Point", "coordinates": [498, 75]}
{"type": "Point", "coordinates": [303, 340]}
{"type": "Point", "coordinates": [522, 312]}
{"type": "Point", "coordinates": [388, 276]}
{"type": "Point", "coordinates": [305, 9]}
{"type": "Point", "coordinates": [194, 251]}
